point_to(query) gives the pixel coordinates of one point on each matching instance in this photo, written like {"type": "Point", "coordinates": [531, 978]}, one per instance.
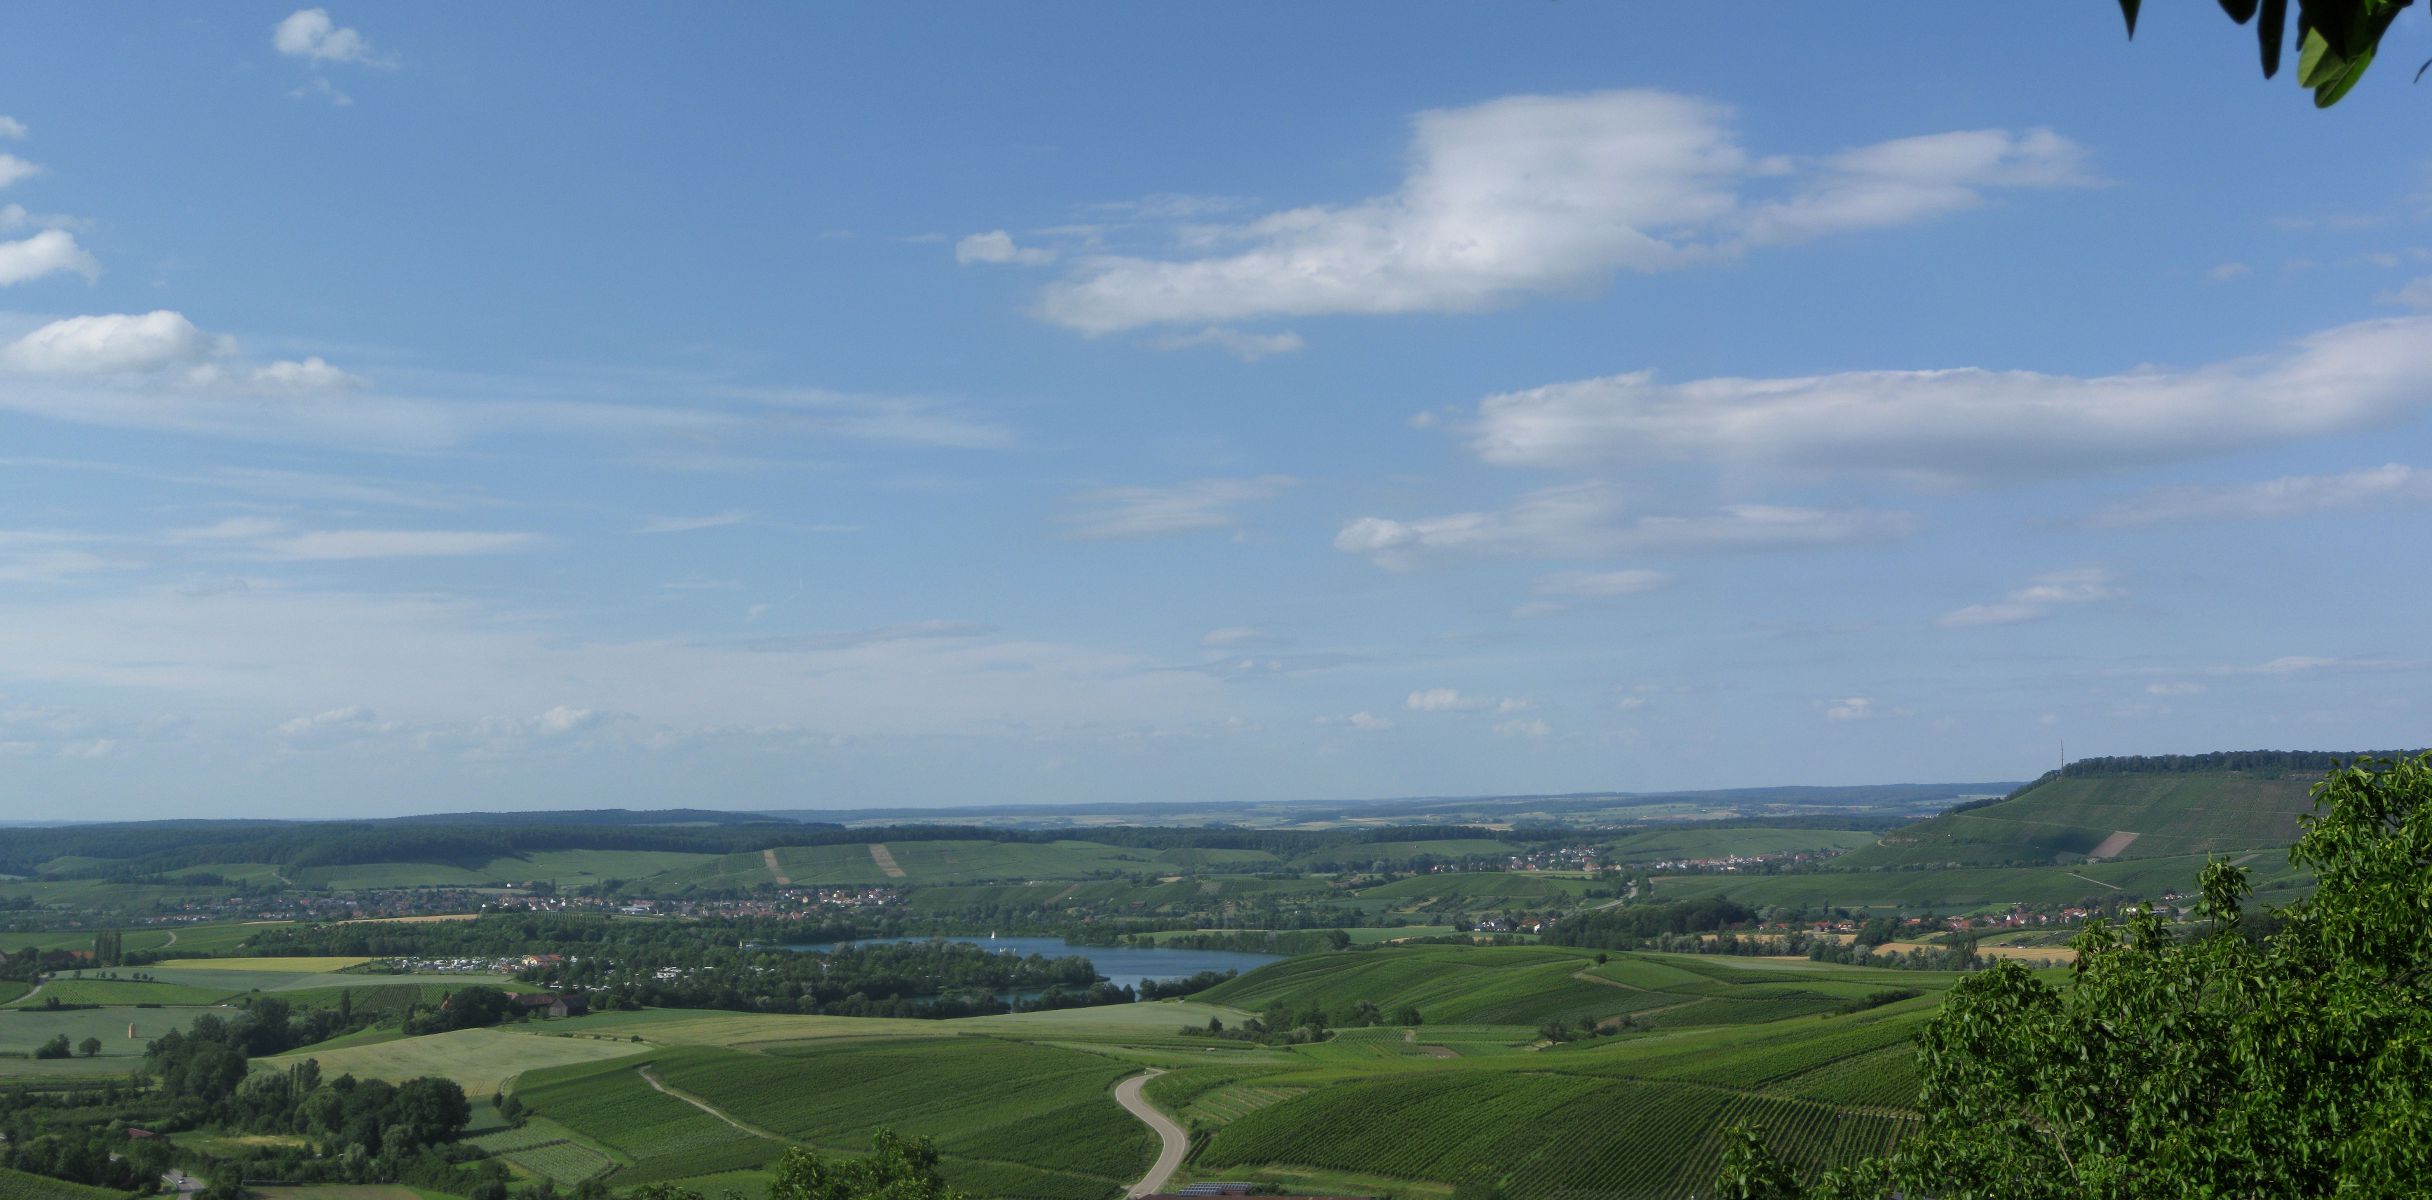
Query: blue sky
{"type": "Point", "coordinates": [433, 407]}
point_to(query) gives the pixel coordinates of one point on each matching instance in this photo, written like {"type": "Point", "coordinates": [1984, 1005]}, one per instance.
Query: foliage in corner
{"type": "Point", "coordinates": [2218, 1063]}
{"type": "Point", "coordinates": [2336, 39]}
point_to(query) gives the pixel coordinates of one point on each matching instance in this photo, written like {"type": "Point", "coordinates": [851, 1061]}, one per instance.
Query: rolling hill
{"type": "Point", "coordinates": [2105, 809]}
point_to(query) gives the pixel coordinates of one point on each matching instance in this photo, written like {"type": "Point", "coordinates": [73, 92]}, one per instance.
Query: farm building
{"type": "Point", "coordinates": [553, 1004]}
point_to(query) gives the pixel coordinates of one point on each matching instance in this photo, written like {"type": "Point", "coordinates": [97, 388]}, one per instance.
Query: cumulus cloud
{"type": "Point", "coordinates": [1535, 194]}
{"type": "Point", "coordinates": [1590, 520]}
{"type": "Point", "coordinates": [310, 376]}
{"type": "Point", "coordinates": [12, 129]}
{"type": "Point", "coordinates": [996, 246]}
{"type": "Point", "coordinates": [117, 343]}
{"type": "Point", "coordinates": [1970, 424]}
{"type": "Point", "coordinates": [13, 168]}
{"type": "Point", "coordinates": [1129, 512]}
{"type": "Point", "coordinates": [1848, 708]}
{"type": "Point", "coordinates": [50, 252]}
{"type": "Point", "coordinates": [332, 727]}
{"type": "Point", "coordinates": [2042, 594]}
{"type": "Point", "coordinates": [311, 35]}
{"type": "Point", "coordinates": [2387, 486]}
{"type": "Point", "coordinates": [1248, 347]}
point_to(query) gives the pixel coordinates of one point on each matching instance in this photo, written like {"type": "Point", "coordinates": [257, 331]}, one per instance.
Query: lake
{"type": "Point", "coordinates": [1123, 966]}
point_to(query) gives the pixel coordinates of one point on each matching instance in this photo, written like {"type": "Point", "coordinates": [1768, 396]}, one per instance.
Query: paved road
{"type": "Point", "coordinates": [1175, 1143]}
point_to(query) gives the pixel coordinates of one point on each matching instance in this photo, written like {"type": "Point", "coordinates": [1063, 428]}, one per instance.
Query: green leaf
{"type": "Point", "coordinates": [2329, 92]}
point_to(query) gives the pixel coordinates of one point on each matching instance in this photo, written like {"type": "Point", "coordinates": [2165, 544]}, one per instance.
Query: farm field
{"type": "Point", "coordinates": [1012, 1120]}
{"type": "Point", "coordinates": [21, 1030]}
{"type": "Point", "coordinates": [17, 1185]}
{"type": "Point", "coordinates": [479, 1059]}
{"type": "Point", "coordinates": [1728, 840]}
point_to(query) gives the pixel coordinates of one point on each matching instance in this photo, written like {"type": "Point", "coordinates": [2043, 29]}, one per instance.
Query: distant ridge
{"type": "Point", "coordinates": [2133, 806]}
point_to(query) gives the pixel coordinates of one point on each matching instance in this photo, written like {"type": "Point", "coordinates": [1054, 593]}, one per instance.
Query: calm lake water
{"type": "Point", "coordinates": [1123, 966]}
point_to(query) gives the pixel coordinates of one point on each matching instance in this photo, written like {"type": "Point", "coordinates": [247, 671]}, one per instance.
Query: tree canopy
{"type": "Point", "coordinates": [2213, 1062]}
{"type": "Point", "coordinates": [2336, 39]}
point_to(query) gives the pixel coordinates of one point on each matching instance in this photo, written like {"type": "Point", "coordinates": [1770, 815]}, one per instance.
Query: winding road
{"type": "Point", "coordinates": [1174, 1142]}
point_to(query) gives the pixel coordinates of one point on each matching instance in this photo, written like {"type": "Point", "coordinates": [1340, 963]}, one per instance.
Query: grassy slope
{"type": "Point", "coordinates": [17, 1185]}
{"type": "Point", "coordinates": [2188, 814]}
{"type": "Point", "coordinates": [1012, 1119]}
{"type": "Point", "coordinates": [479, 1059]}
{"type": "Point", "coordinates": [21, 1030]}
{"type": "Point", "coordinates": [1962, 889]}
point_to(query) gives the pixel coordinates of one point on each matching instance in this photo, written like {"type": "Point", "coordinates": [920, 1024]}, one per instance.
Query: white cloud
{"type": "Point", "coordinates": [1970, 424]}
{"type": "Point", "coordinates": [2181, 688]}
{"type": "Point", "coordinates": [12, 129]}
{"type": "Point", "coordinates": [1588, 521]}
{"type": "Point", "coordinates": [341, 544]}
{"type": "Point", "coordinates": [1128, 512]}
{"type": "Point", "coordinates": [1239, 635]}
{"type": "Point", "coordinates": [1602, 585]}
{"type": "Point", "coordinates": [733, 516]}
{"type": "Point", "coordinates": [1530, 728]}
{"type": "Point", "coordinates": [2388, 485]}
{"type": "Point", "coordinates": [303, 378]}
{"type": "Point", "coordinates": [117, 343]}
{"type": "Point", "coordinates": [2084, 585]}
{"type": "Point", "coordinates": [564, 719]}
{"type": "Point", "coordinates": [2225, 272]}
{"type": "Point", "coordinates": [1365, 722]}
{"type": "Point", "coordinates": [1589, 586]}
{"type": "Point", "coordinates": [1248, 347]}
{"type": "Point", "coordinates": [1535, 194]}
{"type": "Point", "coordinates": [13, 168]}
{"type": "Point", "coordinates": [49, 252]}
{"type": "Point", "coordinates": [996, 246]}
{"type": "Point", "coordinates": [1452, 700]}
{"type": "Point", "coordinates": [1848, 708]}
{"type": "Point", "coordinates": [309, 34]}
{"type": "Point", "coordinates": [2415, 293]}
{"type": "Point", "coordinates": [332, 727]}
{"type": "Point", "coordinates": [320, 88]}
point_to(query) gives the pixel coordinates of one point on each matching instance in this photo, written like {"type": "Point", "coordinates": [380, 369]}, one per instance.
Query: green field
{"type": "Point", "coordinates": [1720, 841]}
{"type": "Point", "coordinates": [1968, 888]}
{"type": "Point", "coordinates": [17, 1185]}
{"type": "Point", "coordinates": [1010, 1118]}
{"type": "Point", "coordinates": [479, 1059]}
{"type": "Point", "coordinates": [22, 1029]}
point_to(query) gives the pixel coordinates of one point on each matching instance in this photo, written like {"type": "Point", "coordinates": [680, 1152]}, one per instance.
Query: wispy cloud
{"type": "Point", "coordinates": [1201, 504]}
{"type": "Point", "coordinates": [2390, 485]}
{"type": "Point", "coordinates": [732, 516]}
{"type": "Point", "coordinates": [1592, 520]}
{"type": "Point", "coordinates": [2059, 589]}
{"type": "Point", "coordinates": [1970, 424]}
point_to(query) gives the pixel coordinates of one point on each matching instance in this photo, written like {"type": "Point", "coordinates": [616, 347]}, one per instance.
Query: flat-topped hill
{"type": "Point", "coordinates": [2144, 807]}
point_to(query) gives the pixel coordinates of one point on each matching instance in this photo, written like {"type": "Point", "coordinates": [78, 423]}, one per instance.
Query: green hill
{"type": "Point", "coordinates": [2071, 816]}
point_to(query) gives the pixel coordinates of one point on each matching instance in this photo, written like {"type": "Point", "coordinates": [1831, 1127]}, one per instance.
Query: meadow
{"type": "Point", "coordinates": [17, 1185]}
{"type": "Point", "coordinates": [478, 1059]}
